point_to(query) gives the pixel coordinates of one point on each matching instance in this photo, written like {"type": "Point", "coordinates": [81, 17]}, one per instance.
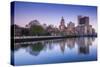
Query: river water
{"type": "Point", "coordinates": [54, 51]}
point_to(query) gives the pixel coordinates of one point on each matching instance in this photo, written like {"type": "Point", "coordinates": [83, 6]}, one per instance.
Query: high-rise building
{"type": "Point", "coordinates": [84, 28]}
{"type": "Point", "coordinates": [79, 17]}
{"type": "Point", "coordinates": [83, 20]}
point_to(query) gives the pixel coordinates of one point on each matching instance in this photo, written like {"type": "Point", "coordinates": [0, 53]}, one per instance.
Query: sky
{"type": "Point", "coordinates": [47, 13]}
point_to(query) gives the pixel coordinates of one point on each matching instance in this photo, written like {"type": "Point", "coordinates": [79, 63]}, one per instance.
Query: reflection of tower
{"type": "Point", "coordinates": [62, 24]}
{"type": "Point", "coordinates": [62, 46]}
{"type": "Point", "coordinates": [48, 45]}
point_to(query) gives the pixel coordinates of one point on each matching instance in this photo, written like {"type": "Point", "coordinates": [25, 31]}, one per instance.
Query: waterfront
{"type": "Point", "coordinates": [55, 51]}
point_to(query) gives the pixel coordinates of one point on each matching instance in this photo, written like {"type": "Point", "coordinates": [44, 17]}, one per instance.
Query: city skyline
{"type": "Point", "coordinates": [52, 13]}
{"type": "Point", "coordinates": [58, 33]}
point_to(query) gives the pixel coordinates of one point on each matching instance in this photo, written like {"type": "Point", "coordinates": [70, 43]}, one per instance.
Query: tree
{"type": "Point", "coordinates": [36, 30]}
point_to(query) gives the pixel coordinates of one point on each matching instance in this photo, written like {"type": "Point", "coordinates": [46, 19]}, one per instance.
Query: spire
{"type": "Point", "coordinates": [62, 18]}
{"type": "Point", "coordinates": [62, 21]}
{"type": "Point", "coordinates": [62, 24]}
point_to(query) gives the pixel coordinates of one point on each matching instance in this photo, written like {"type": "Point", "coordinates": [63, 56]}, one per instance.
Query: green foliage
{"type": "Point", "coordinates": [36, 30]}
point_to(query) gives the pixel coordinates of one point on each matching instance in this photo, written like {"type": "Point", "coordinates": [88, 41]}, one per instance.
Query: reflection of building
{"type": "Point", "coordinates": [49, 45]}
{"type": "Point", "coordinates": [84, 50]}
{"type": "Point", "coordinates": [83, 45]}
{"type": "Point", "coordinates": [70, 43]}
{"type": "Point", "coordinates": [62, 45]}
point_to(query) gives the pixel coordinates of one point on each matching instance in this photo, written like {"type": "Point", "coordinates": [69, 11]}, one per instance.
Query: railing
{"type": "Point", "coordinates": [28, 37]}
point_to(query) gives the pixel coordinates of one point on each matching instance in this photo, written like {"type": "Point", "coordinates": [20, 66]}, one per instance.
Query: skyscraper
{"type": "Point", "coordinates": [83, 20]}
{"type": "Point", "coordinates": [84, 28]}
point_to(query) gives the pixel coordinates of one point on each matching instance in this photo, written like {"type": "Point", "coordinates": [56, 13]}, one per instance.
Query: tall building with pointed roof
{"type": "Point", "coordinates": [62, 24]}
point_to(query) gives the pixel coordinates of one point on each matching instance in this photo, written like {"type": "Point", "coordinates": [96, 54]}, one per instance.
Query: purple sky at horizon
{"type": "Point", "coordinates": [52, 13]}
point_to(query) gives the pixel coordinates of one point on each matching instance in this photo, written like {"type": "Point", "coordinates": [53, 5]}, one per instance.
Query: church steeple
{"type": "Point", "coordinates": [62, 21]}
{"type": "Point", "coordinates": [62, 24]}
{"type": "Point", "coordinates": [62, 18]}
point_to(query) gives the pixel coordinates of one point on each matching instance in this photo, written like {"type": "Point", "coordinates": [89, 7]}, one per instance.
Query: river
{"type": "Point", "coordinates": [54, 51]}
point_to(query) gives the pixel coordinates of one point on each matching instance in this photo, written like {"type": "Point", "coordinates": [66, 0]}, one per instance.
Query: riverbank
{"type": "Point", "coordinates": [38, 38]}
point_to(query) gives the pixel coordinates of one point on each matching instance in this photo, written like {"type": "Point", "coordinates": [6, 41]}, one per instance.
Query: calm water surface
{"type": "Point", "coordinates": [55, 51]}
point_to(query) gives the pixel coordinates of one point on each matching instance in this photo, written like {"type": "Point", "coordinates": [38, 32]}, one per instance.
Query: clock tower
{"type": "Point", "coordinates": [62, 24]}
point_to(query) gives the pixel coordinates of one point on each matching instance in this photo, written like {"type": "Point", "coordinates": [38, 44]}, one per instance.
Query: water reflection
{"type": "Point", "coordinates": [83, 45]}
{"type": "Point", "coordinates": [35, 48]}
